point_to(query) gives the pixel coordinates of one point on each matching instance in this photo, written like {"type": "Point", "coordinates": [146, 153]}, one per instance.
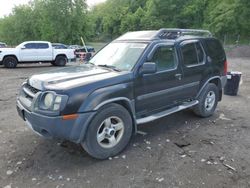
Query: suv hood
{"type": "Point", "coordinates": [72, 77]}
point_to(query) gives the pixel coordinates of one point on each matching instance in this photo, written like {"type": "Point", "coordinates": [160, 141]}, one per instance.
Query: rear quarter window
{"type": "Point", "coordinates": [215, 49]}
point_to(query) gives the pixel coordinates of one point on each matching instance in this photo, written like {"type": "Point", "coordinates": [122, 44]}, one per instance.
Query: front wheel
{"type": "Point", "coordinates": [109, 132]}
{"type": "Point", "coordinates": [208, 101]}
{"type": "Point", "coordinates": [10, 62]}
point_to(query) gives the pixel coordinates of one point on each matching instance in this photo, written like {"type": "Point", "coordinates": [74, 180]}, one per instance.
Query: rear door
{"type": "Point", "coordinates": [162, 89]}
{"type": "Point", "coordinates": [193, 65]}
{"type": "Point", "coordinates": [44, 52]}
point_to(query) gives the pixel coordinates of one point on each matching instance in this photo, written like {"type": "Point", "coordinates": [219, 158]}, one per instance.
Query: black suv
{"type": "Point", "coordinates": [138, 78]}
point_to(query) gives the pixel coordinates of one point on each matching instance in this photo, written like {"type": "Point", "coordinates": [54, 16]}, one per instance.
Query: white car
{"type": "Point", "coordinates": [35, 51]}
{"type": "Point", "coordinates": [2, 45]}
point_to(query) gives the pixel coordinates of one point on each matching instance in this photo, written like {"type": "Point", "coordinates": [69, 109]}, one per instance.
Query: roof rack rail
{"type": "Point", "coordinates": [176, 33]}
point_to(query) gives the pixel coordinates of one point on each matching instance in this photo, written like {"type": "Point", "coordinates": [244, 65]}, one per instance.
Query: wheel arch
{"type": "Point", "coordinates": [61, 55]}
{"type": "Point", "coordinates": [215, 80]}
{"type": "Point", "coordinates": [11, 55]}
{"type": "Point", "coordinates": [119, 94]}
{"type": "Point", "coordinates": [126, 103]}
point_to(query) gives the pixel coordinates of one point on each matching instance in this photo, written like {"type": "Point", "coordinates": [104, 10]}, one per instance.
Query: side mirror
{"type": "Point", "coordinates": [148, 68]}
{"type": "Point", "coordinates": [23, 48]}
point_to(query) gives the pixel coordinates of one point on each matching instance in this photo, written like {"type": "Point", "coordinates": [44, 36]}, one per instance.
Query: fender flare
{"type": "Point", "coordinates": [206, 83]}
{"type": "Point", "coordinates": [11, 55]}
{"type": "Point", "coordinates": [130, 106]}
{"type": "Point", "coordinates": [118, 100]}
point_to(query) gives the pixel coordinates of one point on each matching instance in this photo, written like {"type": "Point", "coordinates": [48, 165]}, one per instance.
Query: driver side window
{"type": "Point", "coordinates": [165, 58]}
{"type": "Point", "coordinates": [30, 46]}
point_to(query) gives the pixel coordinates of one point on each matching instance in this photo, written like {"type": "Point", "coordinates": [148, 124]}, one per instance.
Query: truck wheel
{"type": "Point", "coordinates": [10, 62]}
{"type": "Point", "coordinates": [208, 101]}
{"type": "Point", "coordinates": [109, 132]}
{"type": "Point", "coordinates": [60, 61]}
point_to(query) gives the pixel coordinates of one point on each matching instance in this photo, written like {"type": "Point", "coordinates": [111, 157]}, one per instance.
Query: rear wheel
{"type": "Point", "coordinates": [60, 61]}
{"type": "Point", "coordinates": [10, 62]}
{"type": "Point", "coordinates": [208, 101]}
{"type": "Point", "coordinates": [109, 132]}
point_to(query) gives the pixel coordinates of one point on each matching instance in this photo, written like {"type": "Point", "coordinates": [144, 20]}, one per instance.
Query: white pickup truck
{"type": "Point", "coordinates": [35, 51]}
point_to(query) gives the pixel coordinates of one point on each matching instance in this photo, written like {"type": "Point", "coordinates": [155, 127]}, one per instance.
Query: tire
{"type": "Point", "coordinates": [208, 101]}
{"type": "Point", "coordinates": [60, 61]}
{"type": "Point", "coordinates": [111, 140]}
{"type": "Point", "coordinates": [10, 62]}
{"type": "Point", "coordinates": [53, 63]}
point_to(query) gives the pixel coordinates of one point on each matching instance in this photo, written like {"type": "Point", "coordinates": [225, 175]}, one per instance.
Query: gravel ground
{"type": "Point", "coordinates": [180, 150]}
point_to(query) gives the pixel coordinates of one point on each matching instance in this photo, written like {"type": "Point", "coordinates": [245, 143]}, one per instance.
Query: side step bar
{"type": "Point", "coordinates": [166, 112]}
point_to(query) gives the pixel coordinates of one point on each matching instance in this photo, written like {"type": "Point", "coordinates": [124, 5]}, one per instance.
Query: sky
{"type": "Point", "coordinates": [7, 5]}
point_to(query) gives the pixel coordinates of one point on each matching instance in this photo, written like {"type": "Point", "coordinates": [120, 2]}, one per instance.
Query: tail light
{"type": "Point", "coordinates": [225, 67]}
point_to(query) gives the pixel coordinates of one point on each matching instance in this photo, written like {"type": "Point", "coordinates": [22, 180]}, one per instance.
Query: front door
{"type": "Point", "coordinates": [28, 52]}
{"type": "Point", "coordinates": [162, 89]}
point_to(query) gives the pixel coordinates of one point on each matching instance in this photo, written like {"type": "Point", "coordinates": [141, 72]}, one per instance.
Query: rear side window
{"type": "Point", "coordinates": [164, 57]}
{"type": "Point", "coordinates": [215, 49]}
{"type": "Point", "coordinates": [200, 53]}
{"type": "Point", "coordinates": [193, 54]}
{"type": "Point", "coordinates": [58, 46]}
{"type": "Point", "coordinates": [42, 46]}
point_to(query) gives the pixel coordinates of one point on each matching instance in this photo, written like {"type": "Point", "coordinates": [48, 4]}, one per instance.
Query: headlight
{"type": "Point", "coordinates": [50, 101]}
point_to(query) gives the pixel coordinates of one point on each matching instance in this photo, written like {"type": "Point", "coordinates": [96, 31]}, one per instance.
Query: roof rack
{"type": "Point", "coordinates": [176, 33]}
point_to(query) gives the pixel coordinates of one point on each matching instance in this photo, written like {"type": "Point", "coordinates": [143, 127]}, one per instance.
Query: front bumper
{"type": "Point", "coordinates": [56, 127]}
{"type": "Point", "coordinates": [1, 56]}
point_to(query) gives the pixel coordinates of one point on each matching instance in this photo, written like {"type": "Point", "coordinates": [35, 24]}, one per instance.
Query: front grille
{"type": "Point", "coordinates": [27, 95]}
{"type": "Point", "coordinates": [31, 89]}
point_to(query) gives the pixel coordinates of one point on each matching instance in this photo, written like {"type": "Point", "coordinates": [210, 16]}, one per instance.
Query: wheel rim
{"type": "Point", "coordinates": [210, 100]}
{"type": "Point", "coordinates": [110, 132]}
{"type": "Point", "coordinates": [11, 63]}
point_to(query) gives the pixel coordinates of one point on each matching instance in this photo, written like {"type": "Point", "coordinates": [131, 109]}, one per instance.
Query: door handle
{"type": "Point", "coordinates": [178, 76]}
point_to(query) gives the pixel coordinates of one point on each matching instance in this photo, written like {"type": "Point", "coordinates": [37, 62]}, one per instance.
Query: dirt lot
{"type": "Point", "coordinates": [181, 150]}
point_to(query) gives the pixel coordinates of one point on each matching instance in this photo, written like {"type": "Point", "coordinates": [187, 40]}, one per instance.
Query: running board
{"type": "Point", "coordinates": [166, 112]}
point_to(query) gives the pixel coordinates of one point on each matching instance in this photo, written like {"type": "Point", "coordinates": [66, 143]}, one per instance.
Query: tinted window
{"type": "Point", "coordinates": [164, 57]}
{"type": "Point", "coordinates": [30, 46]}
{"type": "Point", "coordinates": [189, 54]}
{"type": "Point", "coordinates": [215, 49]}
{"type": "Point", "coordinates": [59, 46]}
{"type": "Point", "coordinates": [200, 53]}
{"type": "Point", "coordinates": [42, 46]}
{"type": "Point", "coordinates": [193, 54]}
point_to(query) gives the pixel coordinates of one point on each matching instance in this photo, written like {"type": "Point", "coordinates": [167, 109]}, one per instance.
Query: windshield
{"type": "Point", "coordinates": [122, 56]}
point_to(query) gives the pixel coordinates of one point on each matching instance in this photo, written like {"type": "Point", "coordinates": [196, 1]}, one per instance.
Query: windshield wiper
{"type": "Point", "coordinates": [110, 67]}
